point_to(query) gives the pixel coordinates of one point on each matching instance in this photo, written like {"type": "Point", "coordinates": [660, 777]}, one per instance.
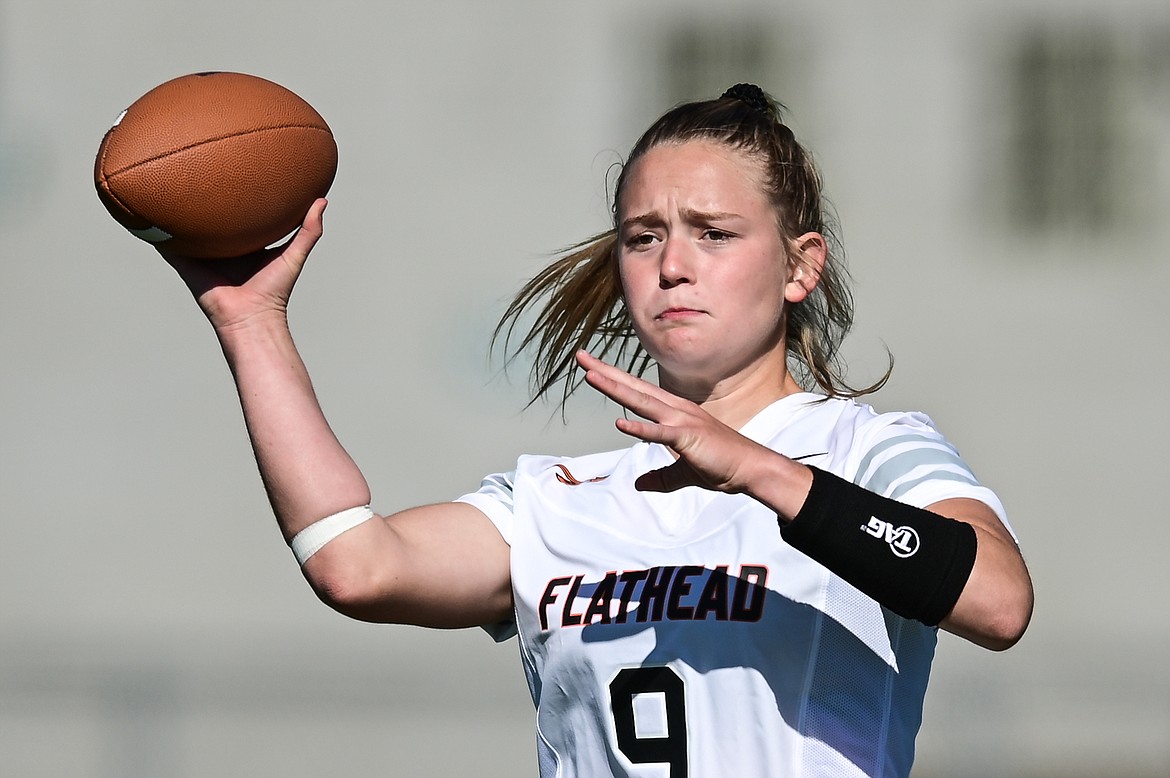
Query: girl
{"type": "Point", "coordinates": [752, 588]}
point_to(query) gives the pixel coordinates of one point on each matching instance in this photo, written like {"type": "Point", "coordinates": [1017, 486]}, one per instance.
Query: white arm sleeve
{"type": "Point", "coordinates": [494, 499]}
{"type": "Point", "coordinates": [907, 459]}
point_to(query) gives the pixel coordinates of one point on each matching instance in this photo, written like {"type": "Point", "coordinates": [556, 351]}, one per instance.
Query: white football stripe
{"type": "Point", "coordinates": [152, 234]}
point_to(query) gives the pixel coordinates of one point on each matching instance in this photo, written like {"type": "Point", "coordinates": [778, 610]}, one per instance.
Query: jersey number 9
{"type": "Point", "coordinates": [670, 748]}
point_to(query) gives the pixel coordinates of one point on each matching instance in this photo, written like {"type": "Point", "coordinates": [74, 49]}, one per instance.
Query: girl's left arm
{"type": "Point", "coordinates": [993, 607]}
{"type": "Point", "coordinates": [996, 604]}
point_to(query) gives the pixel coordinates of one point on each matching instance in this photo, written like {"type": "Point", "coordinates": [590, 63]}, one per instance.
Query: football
{"type": "Point", "coordinates": [215, 165]}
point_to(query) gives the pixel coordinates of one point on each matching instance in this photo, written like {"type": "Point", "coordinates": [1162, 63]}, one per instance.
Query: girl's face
{"type": "Point", "coordinates": [704, 268]}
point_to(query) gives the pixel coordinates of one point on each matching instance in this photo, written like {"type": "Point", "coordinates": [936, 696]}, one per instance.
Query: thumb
{"type": "Point", "coordinates": [299, 246]}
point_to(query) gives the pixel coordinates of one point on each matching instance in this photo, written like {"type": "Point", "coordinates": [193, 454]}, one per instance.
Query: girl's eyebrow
{"type": "Point", "coordinates": [648, 219]}
{"type": "Point", "coordinates": [692, 215]}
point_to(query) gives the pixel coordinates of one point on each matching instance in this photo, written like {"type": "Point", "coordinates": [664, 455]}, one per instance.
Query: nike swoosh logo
{"type": "Point", "coordinates": [568, 479]}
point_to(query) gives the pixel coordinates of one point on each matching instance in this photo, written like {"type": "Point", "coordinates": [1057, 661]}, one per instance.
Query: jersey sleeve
{"type": "Point", "coordinates": [907, 459]}
{"type": "Point", "coordinates": [494, 499]}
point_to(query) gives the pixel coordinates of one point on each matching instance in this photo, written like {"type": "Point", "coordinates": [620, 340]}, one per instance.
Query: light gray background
{"type": "Point", "coordinates": [152, 623]}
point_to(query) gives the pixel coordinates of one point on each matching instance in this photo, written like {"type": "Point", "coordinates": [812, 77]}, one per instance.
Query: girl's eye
{"type": "Point", "coordinates": [716, 235]}
{"type": "Point", "coordinates": [640, 240]}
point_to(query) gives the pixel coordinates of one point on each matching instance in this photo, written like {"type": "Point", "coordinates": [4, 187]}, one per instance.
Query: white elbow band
{"type": "Point", "coordinates": [313, 538]}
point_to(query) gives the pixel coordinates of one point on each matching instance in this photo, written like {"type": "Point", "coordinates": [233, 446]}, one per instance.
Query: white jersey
{"type": "Point", "coordinates": [671, 635]}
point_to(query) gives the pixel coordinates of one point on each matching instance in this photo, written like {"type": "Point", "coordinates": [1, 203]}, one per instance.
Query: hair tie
{"type": "Point", "coordinates": [751, 94]}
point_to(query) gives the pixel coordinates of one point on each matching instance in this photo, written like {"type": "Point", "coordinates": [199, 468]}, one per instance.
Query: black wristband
{"type": "Point", "coordinates": [910, 560]}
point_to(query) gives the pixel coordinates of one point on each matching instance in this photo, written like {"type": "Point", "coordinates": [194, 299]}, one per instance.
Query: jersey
{"type": "Point", "coordinates": [673, 635]}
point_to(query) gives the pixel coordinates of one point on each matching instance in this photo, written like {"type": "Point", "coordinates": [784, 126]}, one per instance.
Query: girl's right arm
{"type": "Point", "coordinates": [442, 565]}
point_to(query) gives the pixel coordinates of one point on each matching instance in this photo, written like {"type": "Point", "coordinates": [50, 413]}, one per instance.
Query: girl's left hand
{"type": "Point", "coordinates": [711, 455]}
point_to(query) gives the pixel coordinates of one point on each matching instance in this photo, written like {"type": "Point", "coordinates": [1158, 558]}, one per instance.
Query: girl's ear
{"type": "Point", "coordinates": [807, 261]}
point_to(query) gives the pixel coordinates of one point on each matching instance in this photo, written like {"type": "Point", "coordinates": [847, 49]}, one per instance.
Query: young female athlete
{"type": "Point", "coordinates": [754, 586]}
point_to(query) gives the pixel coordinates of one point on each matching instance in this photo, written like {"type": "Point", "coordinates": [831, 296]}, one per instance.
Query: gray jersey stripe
{"type": "Point", "coordinates": [943, 475]}
{"type": "Point", "coordinates": [886, 444]}
{"type": "Point", "coordinates": [937, 455]}
{"type": "Point", "coordinates": [500, 486]}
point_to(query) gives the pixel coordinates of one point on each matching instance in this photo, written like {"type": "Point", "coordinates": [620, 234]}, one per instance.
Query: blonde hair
{"type": "Point", "coordinates": [577, 299]}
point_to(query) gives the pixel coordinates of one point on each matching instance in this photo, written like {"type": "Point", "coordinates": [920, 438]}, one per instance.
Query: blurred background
{"type": "Point", "coordinates": [1001, 171]}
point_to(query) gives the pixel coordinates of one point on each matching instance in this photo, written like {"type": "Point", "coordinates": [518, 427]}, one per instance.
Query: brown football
{"type": "Point", "coordinates": [215, 164]}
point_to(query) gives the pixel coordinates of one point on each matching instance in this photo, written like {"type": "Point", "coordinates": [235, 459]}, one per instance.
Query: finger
{"type": "Point", "coordinates": [648, 431]}
{"type": "Point", "coordinates": [592, 364]}
{"type": "Point", "coordinates": [201, 274]}
{"type": "Point", "coordinates": [198, 274]}
{"type": "Point", "coordinates": [313, 227]}
{"type": "Point", "coordinates": [632, 398]}
{"type": "Point", "coordinates": [631, 392]}
{"type": "Point", "coordinates": [301, 244]}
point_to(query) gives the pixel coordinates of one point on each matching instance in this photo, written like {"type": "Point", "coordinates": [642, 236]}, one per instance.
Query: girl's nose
{"type": "Point", "coordinates": [675, 266]}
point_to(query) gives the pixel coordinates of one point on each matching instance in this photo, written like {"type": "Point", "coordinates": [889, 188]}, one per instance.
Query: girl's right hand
{"type": "Point", "coordinates": [233, 291]}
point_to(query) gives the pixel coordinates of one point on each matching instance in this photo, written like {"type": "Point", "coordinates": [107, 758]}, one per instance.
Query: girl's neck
{"type": "Point", "coordinates": [737, 399]}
